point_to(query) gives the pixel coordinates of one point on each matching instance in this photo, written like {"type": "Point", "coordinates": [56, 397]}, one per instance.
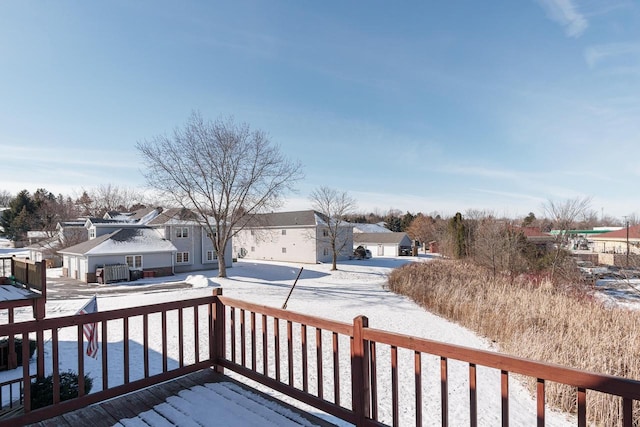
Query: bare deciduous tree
{"type": "Point", "coordinates": [499, 245]}
{"type": "Point", "coordinates": [5, 198]}
{"type": "Point", "coordinates": [108, 197]}
{"type": "Point", "coordinates": [335, 206]}
{"type": "Point", "coordinates": [422, 228]}
{"type": "Point", "coordinates": [223, 171]}
{"type": "Point", "coordinates": [563, 216]}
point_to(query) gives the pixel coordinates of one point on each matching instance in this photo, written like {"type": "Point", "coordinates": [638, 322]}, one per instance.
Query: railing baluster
{"type": "Point", "coordinates": [55, 359]}
{"type": "Point", "coordinates": [336, 370]}
{"type": "Point", "coordinates": [276, 345]}
{"type": "Point", "coordinates": [582, 407]}
{"type": "Point", "coordinates": [540, 398]}
{"type": "Point", "coordinates": [253, 341]}
{"type": "Point", "coordinates": [473, 395]}
{"type": "Point", "coordinates": [145, 343]}
{"type": "Point", "coordinates": [105, 361]}
{"type": "Point", "coordinates": [196, 332]}
{"type": "Point", "coordinates": [418, 386]}
{"type": "Point", "coordinates": [394, 385]}
{"type": "Point", "coordinates": [80, 346]}
{"type": "Point", "coordinates": [627, 412]}
{"type": "Point", "coordinates": [26, 377]}
{"type": "Point", "coordinates": [290, 350]}
{"type": "Point", "coordinates": [504, 388]}
{"type": "Point", "coordinates": [374, 380]}
{"type": "Point", "coordinates": [265, 347]}
{"type": "Point", "coordinates": [319, 363]}
{"type": "Point", "coordinates": [305, 368]}
{"type": "Point", "coordinates": [126, 354]}
{"type": "Point", "coordinates": [243, 340]}
{"type": "Point", "coordinates": [164, 341]}
{"type": "Point", "coordinates": [181, 337]}
{"type": "Point", "coordinates": [444, 391]}
{"type": "Point", "coordinates": [232, 326]}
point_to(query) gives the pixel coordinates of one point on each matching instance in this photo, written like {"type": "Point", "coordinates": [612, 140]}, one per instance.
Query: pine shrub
{"type": "Point", "coordinates": [42, 389]}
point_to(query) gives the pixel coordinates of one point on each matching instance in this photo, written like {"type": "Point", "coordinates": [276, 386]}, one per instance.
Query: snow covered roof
{"type": "Point", "coordinates": [370, 228]}
{"type": "Point", "coordinates": [124, 241]}
{"type": "Point", "coordinates": [13, 293]}
{"type": "Point", "coordinates": [173, 216]}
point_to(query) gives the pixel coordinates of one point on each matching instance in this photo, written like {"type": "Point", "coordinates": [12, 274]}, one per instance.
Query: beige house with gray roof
{"type": "Point", "coordinates": [300, 236]}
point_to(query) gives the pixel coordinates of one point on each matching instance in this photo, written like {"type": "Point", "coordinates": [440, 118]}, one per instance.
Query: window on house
{"type": "Point", "coordinates": [211, 255]}
{"type": "Point", "coordinates": [209, 235]}
{"type": "Point", "coordinates": [326, 252]}
{"type": "Point", "coordinates": [253, 249]}
{"type": "Point", "coordinates": [284, 232]}
{"type": "Point", "coordinates": [182, 257]}
{"type": "Point", "coordinates": [325, 233]}
{"type": "Point", "coordinates": [284, 250]}
{"type": "Point", "coordinates": [92, 233]}
{"type": "Point", "coordinates": [182, 232]}
{"type": "Point", "coordinates": [252, 232]}
{"type": "Point", "coordinates": [134, 261]}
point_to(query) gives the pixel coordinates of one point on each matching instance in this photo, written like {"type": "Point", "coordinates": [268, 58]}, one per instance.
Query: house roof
{"type": "Point", "coordinates": [370, 228]}
{"type": "Point", "coordinates": [634, 233]}
{"type": "Point", "coordinates": [123, 241]}
{"type": "Point", "coordinates": [389, 238]}
{"type": "Point", "coordinates": [173, 215]}
{"type": "Point", "coordinates": [286, 219]}
{"type": "Point", "coordinates": [535, 232]}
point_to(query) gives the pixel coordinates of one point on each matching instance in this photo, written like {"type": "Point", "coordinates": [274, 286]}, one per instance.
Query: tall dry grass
{"type": "Point", "coordinates": [534, 321]}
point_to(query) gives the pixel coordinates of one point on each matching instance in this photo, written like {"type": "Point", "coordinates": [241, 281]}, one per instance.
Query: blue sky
{"type": "Point", "coordinates": [415, 106]}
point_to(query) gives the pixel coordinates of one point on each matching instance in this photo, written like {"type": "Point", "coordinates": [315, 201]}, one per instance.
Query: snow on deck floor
{"type": "Point", "coordinates": [222, 403]}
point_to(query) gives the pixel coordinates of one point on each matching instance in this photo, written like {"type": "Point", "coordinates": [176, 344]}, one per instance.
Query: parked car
{"type": "Point", "coordinates": [405, 251]}
{"type": "Point", "coordinates": [361, 253]}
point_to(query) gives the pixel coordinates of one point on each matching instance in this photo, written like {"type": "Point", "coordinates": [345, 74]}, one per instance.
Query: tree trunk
{"type": "Point", "coordinates": [222, 266]}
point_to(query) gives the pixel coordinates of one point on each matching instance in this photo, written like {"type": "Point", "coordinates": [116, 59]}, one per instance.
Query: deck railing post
{"type": "Point", "coordinates": [360, 375]}
{"type": "Point", "coordinates": [219, 340]}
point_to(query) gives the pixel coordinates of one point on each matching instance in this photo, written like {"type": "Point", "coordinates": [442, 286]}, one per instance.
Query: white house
{"type": "Point", "coordinates": [300, 236]}
{"type": "Point", "coordinates": [384, 244]}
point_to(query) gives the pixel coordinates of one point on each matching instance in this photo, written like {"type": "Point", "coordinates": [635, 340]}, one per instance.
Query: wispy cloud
{"type": "Point", "coordinates": [599, 53]}
{"type": "Point", "coordinates": [566, 14]}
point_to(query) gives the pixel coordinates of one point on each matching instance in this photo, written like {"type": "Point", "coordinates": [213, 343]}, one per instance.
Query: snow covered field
{"type": "Point", "coordinates": [357, 288]}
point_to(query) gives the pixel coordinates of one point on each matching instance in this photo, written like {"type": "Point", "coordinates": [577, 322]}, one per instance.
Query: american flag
{"type": "Point", "coordinates": [91, 329]}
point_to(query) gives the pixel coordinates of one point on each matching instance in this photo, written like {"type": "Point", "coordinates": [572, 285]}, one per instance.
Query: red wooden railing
{"type": "Point", "coordinates": [300, 356]}
{"type": "Point", "coordinates": [31, 276]}
{"type": "Point", "coordinates": [142, 360]}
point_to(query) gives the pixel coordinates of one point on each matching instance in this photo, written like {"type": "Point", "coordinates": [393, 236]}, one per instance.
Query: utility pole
{"type": "Point", "coordinates": [627, 226]}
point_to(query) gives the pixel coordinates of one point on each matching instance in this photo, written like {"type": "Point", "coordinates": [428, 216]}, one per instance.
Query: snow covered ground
{"type": "Point", "coordinates": [357, 288]}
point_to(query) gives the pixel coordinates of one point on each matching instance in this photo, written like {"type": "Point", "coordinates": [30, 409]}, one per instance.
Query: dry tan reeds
{"type": "Point", "coordinates": [535, 321]}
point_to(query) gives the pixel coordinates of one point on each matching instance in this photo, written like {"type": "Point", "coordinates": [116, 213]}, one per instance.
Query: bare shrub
{"type": "Point", "coordinates": [534, 319]}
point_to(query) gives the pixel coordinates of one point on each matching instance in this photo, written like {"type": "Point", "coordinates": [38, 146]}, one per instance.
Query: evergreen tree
{"type": "Point", "coordinates": [529, 219]}
{"type": "Point", "coordinates": [19, 218]}
{"type": "Point", "coordinates": [458, 234]}
{"type": "Point", "coordinates": [406, 221]}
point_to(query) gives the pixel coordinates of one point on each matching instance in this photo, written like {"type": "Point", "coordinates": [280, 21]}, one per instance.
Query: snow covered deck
{"type": "Point", "coordinates": [14, 293]}
{"type": "Point", "coordinates": [195, 399]}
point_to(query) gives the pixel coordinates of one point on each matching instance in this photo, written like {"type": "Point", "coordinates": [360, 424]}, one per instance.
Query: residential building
{"type": "Point", "coordinates": [299, 236]}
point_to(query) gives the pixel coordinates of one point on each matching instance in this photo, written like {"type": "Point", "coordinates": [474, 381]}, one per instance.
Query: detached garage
{"type": "Point", "coordinates": [383, 244]}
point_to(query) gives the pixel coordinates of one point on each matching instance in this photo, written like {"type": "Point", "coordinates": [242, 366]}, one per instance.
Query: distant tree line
{"type": "Point", "coordinates": [42, 210]}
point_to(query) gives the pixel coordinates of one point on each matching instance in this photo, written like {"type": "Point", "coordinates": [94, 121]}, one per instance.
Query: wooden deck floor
{"type": "Point", "coordinates": [110, 412]}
